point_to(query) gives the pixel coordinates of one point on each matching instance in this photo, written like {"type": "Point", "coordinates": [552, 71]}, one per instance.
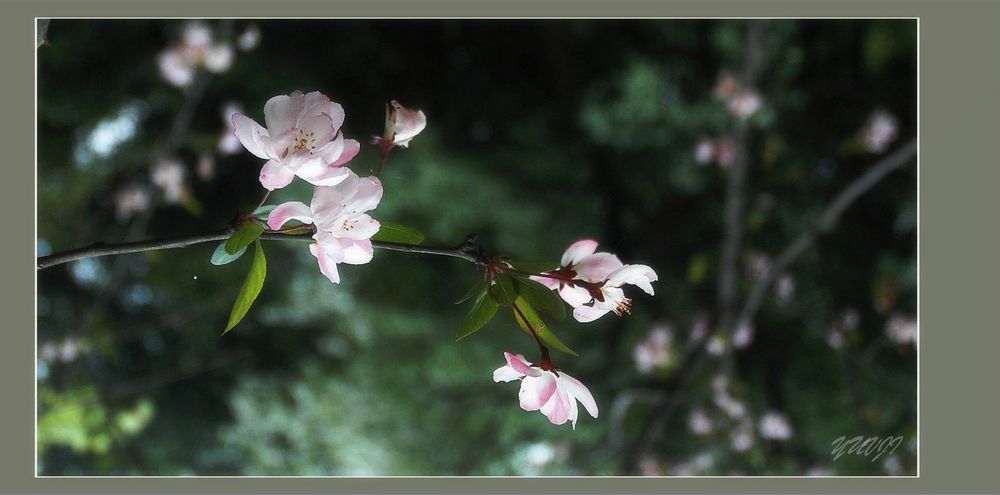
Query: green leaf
{"type": "Point", "coordinates": [484, 311]}
{"type": "Point", "coordinates": [543, 298]}
{"type": "Point", "coordinates": [243, 237]}
{"type": "Point", "coordinates": [530, 322]}
{"type": "Point", "coordinates": [221, 257]}
{"type": "Point", "coordinates": [535, 266]}
{"type": "Point", "coordinates": [476, 288]}
{"type": "Point", "coordinates": [262, 212]}
{"type": "Point", "coordinates": [251, 288]}
{"type": "Point", "coordinates": [503, 289]}
{"type": "Point", "coordinates": [394, 232]}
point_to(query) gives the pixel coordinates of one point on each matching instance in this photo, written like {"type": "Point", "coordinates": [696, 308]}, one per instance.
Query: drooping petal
{"type": "Point", "coordinates": [576, 251]}
{"type": "Point", "coordinates": [586, 314]}
{"type": "Point", "coordinates": [536, 391]}
{"type": "Point", "coordinates": [254, 137]}
{"type": "Point", "coordinates": [521, 365]}
{"type": "Point", "coordinates": [357, 252]}
{"type": "Point", "coordinates": [506, 374]}
{"type": "Point", "coordinates": [596, 267]}
{"type": "Point", "coordinates": [274, 175]}
{"type": "Point", "coordinates": [557, 409]}
{"type": "Point", "coordinates": [326, 266]}
{"type": "Point", "coordinates": [579, 391]}
{"type": "Point", "coordinates": [573, 410]}
{"type": "Point", "coordinates": [292, 210]}
{"type": "Point", "coordinates": [575, 296]}
{"type": "Point", "coordinates": [638, 275]}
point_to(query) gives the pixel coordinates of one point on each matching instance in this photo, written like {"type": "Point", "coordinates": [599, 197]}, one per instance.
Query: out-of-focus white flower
{"type": "Point", "coordinates": [169, 175]}
{"type": "Point", "coordinates": [757, 264]}
{"type": "Point", "coordinates": [846, 323]}
{"type": "Point", "coordinates": [745, 103]}
{"type": "Point", "coordinates": [229, 144]}
{"type": "Point", "coordinates": [741, 439]}
{"type": "Point", "coordinates": [734, 408]}
{"type": "Point", "coordinates": [902, 329]}
{"type": "Point", "coordinates": [785, 288]}
{"type": "Point", "coordinates": [694, 467]}
{"type": "Point", "coordinates": [249, 38]}
{"type": "Point", "coordinates": [819, 471]}
{"type": "Point", "coordinates": [720, 384]}
{"type": "Point", "coordinates": [716, 345]}
{"type": "Point", "coordinates": [649, 465]}
{"type": "Point", "coordinates": [743, 336]}
{"type": "Point", "coordinates": [132, 199]}
{"type": "Point", "coordinates": [834, 339]}
{"type": "Point", "coordinates": [775, 426]}
{"type": "Point", "coordinates": [704, 151]}
{"type": "Point", "coordinates": [892, 466]}
{"type": "Point", "coordinates": [196, 49]}
{"type": "Point", "coordinates": [880, 131]}
{"type": "Point", "coordinates": [699, 422]}
{"type": "Point", "coordinates": [699, 328]}
{"type": "Point", "coordinates": [656, 351]}
{"type": "Point", "coordinates": [725, 152]}
{"type": "Point", "coordinates": [206, 166]}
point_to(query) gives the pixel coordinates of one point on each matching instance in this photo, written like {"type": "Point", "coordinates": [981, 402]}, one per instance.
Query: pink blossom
{"type": "Point", "coordinates": [303, 138]}
{"type": "Point", "coordinates": [591, 282]}
{"type": "Point", "coordinates": [551, 392]}
{"type": "Point", "coordinates": [343, 229]}
{"type": "Point", "coordinates": [196, 49]}
{"type": "Point", "coordinates": [404, 124]}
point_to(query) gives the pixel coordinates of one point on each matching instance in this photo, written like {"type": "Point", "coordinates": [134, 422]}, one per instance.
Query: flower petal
{"type": "Point", "coordinates": [292, 210]}
{"type": "Point", "coordinates": [254, 137]}
{"type": "Point", "coordinates": [357, 252]}
{"type": "Point", "coordinates": [638, 275]}
{"type": "Point", "coordinates": [326, 266]}
{"type": "Point", "coordinates": [551, 283]}
{"type": "Point", "coordinates": [586, 314]}
{"type": "Point", "coordinates": [579, 391]}
{"type": "Point", "coordinates": [331, 177]}
{"type": "Point", "coordinates": [575, 296]}
{"type": "Point", "coordinates": [350, 150]}
{"type": "Point", "coordinates": [521, 365]}
{"type": "Point", "coordinates": [506, 374]}
{"type": "Point", "coordinates": [274, 175]}
{"type": "Point", "coordinates": [536, 391]}
{"type": "Point", "coordinates": [406, 124]}
{"type": "Point", "coordinates": [557, 409]}
{"type": "Point", "coordinates": [596, 267]}
{"type": "Point", "coordinates": [281, 113]}
{"type": "Point", "coordinates": [576, 251]}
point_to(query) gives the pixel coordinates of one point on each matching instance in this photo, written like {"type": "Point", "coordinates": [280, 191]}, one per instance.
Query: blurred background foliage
{"type": "Point", "coordinates": [540, 133]}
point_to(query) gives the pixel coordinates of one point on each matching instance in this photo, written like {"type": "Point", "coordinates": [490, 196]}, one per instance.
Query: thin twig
{"type": "Point", "coordinates": [467, 250]}
{"type": "Point", "coordinates": [824, 224]}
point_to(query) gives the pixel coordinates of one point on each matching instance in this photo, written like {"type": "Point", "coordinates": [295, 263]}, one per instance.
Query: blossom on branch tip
{"type": "Point", "coordinates": [343, 229]}
{"type": "Point", "coordinates": [553, 393]}
{"type": "Point", "coordinates": [303, 138]}
{"type": "Point", "coordinates": [591, 282]}
{"type": "Point", "coordinates": [401, 125]}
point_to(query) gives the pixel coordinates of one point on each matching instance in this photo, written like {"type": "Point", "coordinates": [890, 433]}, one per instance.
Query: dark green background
{"type": "Point", "coordinates": [540, 133]}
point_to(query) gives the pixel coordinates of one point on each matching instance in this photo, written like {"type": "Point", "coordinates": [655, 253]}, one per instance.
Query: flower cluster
{"type": "Point", "coordinates": [195, 50]}
{"type": "Point", "coordinates": [547, 390]}
{"type": "Point", "coordinates": [303, 138]}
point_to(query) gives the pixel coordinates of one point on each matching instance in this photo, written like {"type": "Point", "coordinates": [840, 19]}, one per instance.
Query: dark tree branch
{"type": "Point", "coordinates": [467, 250]}
{"type": "Point", "coordinates": [736, 186]}
{"type": "Point", "coordinates": [824, 224]}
